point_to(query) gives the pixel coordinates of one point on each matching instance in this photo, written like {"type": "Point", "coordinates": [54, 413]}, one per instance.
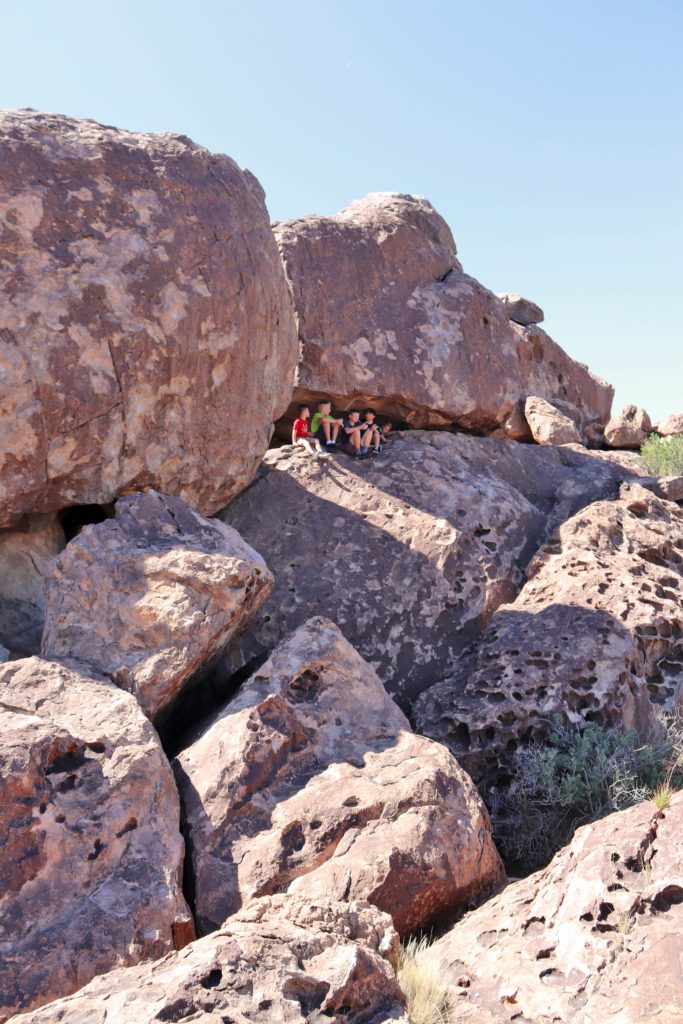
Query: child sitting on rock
{"type": "Point", "coordinates": [352, 431]}
{"type": "Point", "coordinates": [302, 438]}
{"type": "Point", "coordinates": [324, 426]}
{"type": "Point", "coordinates": [372, 438]}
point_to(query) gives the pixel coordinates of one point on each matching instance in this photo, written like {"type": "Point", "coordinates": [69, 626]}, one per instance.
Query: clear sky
{"type": "Point", "coordinates": [548, 134]}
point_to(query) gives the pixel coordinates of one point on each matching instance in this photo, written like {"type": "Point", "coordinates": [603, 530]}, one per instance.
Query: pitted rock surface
{"type": "Point", "coordinates": [152, 597]}
{"type": "Point", "coordinates": [387, 317]}
{"type": "Point", "coordinates": [522, 311]}
{"type": "Point", "coordinates": [91, 858]}
{"type": "Point", "coordinates": [548, 424]}
{"type": "Point", "coordinates": [594, 938]}
{"type": "Point", "coordinates": [596, 634]}
{"type": "Point", "coordinates": [143, 308]}
{"type": "Point", "coordinates": [24, 554]}
{"type": "Point", "coordinates": [311, 781]}
{"type": "Point", "coordinates": [281, 959]}
{"type": "Point", "coordinates": [629, 429]}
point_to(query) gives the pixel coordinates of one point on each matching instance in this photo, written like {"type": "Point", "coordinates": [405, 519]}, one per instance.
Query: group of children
{"type": "Point", "coordinates": [358, 436]}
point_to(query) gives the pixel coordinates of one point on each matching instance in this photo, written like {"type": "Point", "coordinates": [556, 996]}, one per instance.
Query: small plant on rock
{"type": "Point", "coordinates": [421, 976]}
{"type": "Point", "coordinates": [663, 456]}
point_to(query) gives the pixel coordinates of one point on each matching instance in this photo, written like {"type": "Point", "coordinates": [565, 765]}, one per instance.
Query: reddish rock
{"type": "Point", "coordinates": [143, 309]}
{"type": "Point", "coordinates": [548, 424]}
{"type": "Point", "coordinates": [629, 429]}
{"type": "Point", "coordinates": [24, 555]}
{"type": "Point", "coordinates": [522, 311]}
{"type": "Point", "coordinates": [91, 856]}
{"type": "Point", "coordinates": [387, 317]}
{"type": "Point", "coordinates": [310, 781]}
{"type": "Point", "coordinates": [152, 597]}
{"type": "Point", "coordinates": [672, 424]}
{"type": "Point", "coordinates": [597, 936]}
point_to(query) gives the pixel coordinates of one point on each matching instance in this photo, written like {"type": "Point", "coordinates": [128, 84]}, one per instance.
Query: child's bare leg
{"type": "Point", "coordinates": [326, 429]}
{"type": "Point", "coordinates": [304, 443]}
{"type": "Point", "coordinates": [335, 430]}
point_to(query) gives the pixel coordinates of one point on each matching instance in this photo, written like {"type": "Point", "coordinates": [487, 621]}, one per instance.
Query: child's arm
{"type": "Point", "coordinates": [293, 436]}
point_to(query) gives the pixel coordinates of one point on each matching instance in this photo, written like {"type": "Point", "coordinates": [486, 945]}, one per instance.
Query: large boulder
{"type": "Point", "coordinates": [311, 781]}
{"type": "Point", "coordinates": [24, 555]}
{"type": "Point", "coordinates": [548, 424]}
{"type": "Point", "coordinates": [280, 959]}
{"type": "Point", "coordinates": [146, 329]}
{"type": "Point", "coordinates": [387, 317]}
{"type": "Point", "coordinates": [410, 554]}
{"type": "Point", "coordinates": [672, 424]}
{"type": "Point", "coordinates": [522, 311]}
{"type": "Point", "coordinates": [629, 429]}
{"type": "Point", "coordinates": [595, 635]}
{"type": "Point", "coordinates": [152, 597]}
{"type": "Point", "coordinates": [91, 856]}
{"type": "Point", "coordinates": [597, 936]}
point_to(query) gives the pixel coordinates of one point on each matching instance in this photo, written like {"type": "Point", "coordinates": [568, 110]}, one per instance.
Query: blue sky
{"type": "Point", "coordinates": [549, 135]}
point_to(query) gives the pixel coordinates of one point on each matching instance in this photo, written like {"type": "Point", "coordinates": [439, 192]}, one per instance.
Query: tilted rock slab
{"type": "Point", "coordinates": [152, 597]}
{"type": "Point", "coordinates": [409, 554]}
{"type": "Point", "coordinates": [597, 936]}
{"type": "Point", "coordinates": [280, 959]}
{"type": "Point", "coordinates": [595, 635]}
{"type": "Point", "coordinates": [143, 309]}
{"type": "Point", "coordinates": [629, 429]}
{"type": "Point", "coordinates": [522, 311]}
{"type": "Point", "coordinates": [548, 424]}
{"type": "Point", "coordinates": [310, 781]}
{"type": "Point", "coordinates": [91, 858]}
{"type": "Point", "coordinates": [24, 555]}
{"type": "Point", "coordinates": [387, 317]}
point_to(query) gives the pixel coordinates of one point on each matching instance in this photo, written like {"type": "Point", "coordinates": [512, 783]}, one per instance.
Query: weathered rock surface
{"type": "Point", "coordinates": [548, 424]}
{"type": "Point", "coordinates": [387, 317]}
{"type": "Point", "coordinates": [629, 429]}
{"type": "Point", "coordinates": [310, 781]}
{"type": "Point", "coordinates": [24, 554]}
{"type": "Point", "coordinates": [597, 936]}
{"type": "Point", "coordinates": [152, 597]}
{"type": "Point", "coordinates": [410, 555]}
{"type": "Point", "coordinates": [672, 424]}
{"type": "Point", "coordinates": [91, 857]}
{"type": "Point", "coordinates": [596, 634]}
{"type": "Point", "coordinates": [280, 959]}
{"type": "Point", "coordinates": [143, 309]}
{"type": "Point", "coordinates": [522, 311]}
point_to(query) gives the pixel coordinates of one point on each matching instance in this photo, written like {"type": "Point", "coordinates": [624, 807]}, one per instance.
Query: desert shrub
{"type": "Point", "coordinates": [421, 976]}
{"type": "Point", "coordinates": [577, 776]}
{"type": "Point", "coordinates": [663, 456]}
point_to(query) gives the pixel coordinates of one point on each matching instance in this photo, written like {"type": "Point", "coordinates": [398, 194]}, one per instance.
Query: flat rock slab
{"type": "Point", "coordinates": [152, 597]}
{"type": "Point", "coordinates": [143, 308]}
{"type": "Point", "coordinates": [311, 781]}
{"type": "Point", "coordinates": [596, 634]}
{"type": "Point", "coordinates": [596, 936]}
{"type": "Point", "coordinates": [92, 857]}
{"type": "Point", "coordinates": [281, 959]}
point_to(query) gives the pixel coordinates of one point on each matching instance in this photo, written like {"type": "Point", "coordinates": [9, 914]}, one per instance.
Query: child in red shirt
{"type": "Point", "coordinates": [303, 439]}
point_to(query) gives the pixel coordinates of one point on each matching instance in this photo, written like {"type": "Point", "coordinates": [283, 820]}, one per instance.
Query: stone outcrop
{"type": "Point", "coordinates": [387, 317]}
{"type": "Point", "coordinates": [143, 308]}
{"type": "Point", "coordinates": [24, 554]}
{"type": "Point", "coordinates": [596, 634]}
{"type": "Point", "coordinates": [522, 311]}
{"type": "Point", "coordinates": [672, 424]}
{"type": "Point", "coordinates": [91, 855]}
{"type": "Point", "coordinates": [412, 553]}
{"type": "Point", "coordinates": [281, 959]}
{"type": "Point", "coordinates": [152, 597]}
{"type": "Point", "coordinates": [311, 781]}
{"type": "Point", "coordinates": [548, 424]}
{"type": "Point", "coordinates": [629, 429]}
{"type": "Point", "coordinates": [596, 936]}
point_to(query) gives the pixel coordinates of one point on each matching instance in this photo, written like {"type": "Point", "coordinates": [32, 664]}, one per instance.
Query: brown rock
{"type": "Point", "coordinates": [548, 425]}
{"type": "Point", "coordinates": [595, 635]}
{"type": "Point", "coordinates": [629, 429]}
{"type": "Point", "coordinates": [152, 597]}
{"type": "Point", "coordinates": [310, 781]}
{"type": "Point", "coordinates": [91, 858]}
{"type": "Point", "coordinates": [522, 311]}
{"type": "Point", "coordinates": [280, 959]}
{"type": "Point", "coordinates": [143, 309]}
{"type": "Point", "coordinates": [672, 424]}
{"type": "Point", "coordinates": [597, 936]}
{"type": "Point", "coordinates": [387, 317]}
{"type": "Point", "coordinates": [24, 554]}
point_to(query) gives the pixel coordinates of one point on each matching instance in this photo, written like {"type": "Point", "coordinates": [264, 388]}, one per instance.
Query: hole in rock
{"type": "Point", "coordinates": [212, 979]}
{"type": "Point", "coordinates": [75, 518]}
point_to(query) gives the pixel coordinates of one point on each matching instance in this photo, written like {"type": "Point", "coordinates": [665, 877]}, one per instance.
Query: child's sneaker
{"type": "Point", "coordinates": [331, 444]}
{"type": "Point", "coordinates": [324, 455]}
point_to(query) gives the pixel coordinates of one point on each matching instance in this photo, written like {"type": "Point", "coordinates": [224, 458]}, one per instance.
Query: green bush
{"type": "Point", "coordinates": [663, 456]}
{"type": "Point", "coordinates": [577, 776]}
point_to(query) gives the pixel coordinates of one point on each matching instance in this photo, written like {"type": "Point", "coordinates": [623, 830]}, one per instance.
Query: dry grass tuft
{"type": "Point", "coordinates": [422, 978]}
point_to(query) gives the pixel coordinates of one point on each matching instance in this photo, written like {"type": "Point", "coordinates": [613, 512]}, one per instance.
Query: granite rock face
{"type": "Point", "coordinates": [597, 936]}
{"type": "Point", "coordinates": [596, 634]}
{"type": "Point", "coordinates": [281, 959]}
{"type": "Point", "coordinates": [386, 317]}
{"type": "Point", "coordinates": [548, 424]}
{"type": "Point", "coordinates": [522, 311]}
{"type": "Point", "coordinates": [311, 781]}
{"type": "Point", "coordinates": [143, 308]}
{"type": "Point", "coordinates": [629, 429]}
{"type": "Point", "coordinates": [24, 555]}
{"type": "Point", "coordinates": [91, 859]}
{"type": "Point", "coordinates": [672, 424]}
{"type": "Point", "coordinates": [152, 597]}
